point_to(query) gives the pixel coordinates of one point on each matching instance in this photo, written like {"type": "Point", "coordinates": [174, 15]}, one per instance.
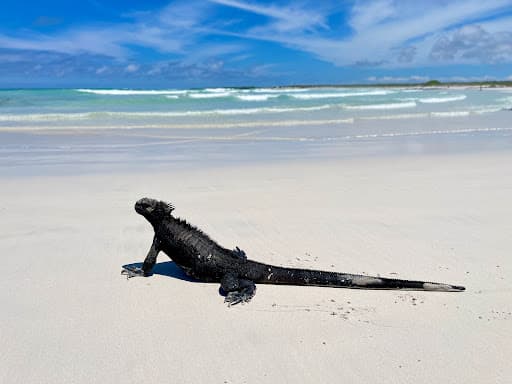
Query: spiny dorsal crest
{"type": "Point", "coordinates": [168, 207]}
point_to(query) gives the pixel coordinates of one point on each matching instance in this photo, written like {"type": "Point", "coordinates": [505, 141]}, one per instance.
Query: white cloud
{"type": "Point", "coordinates": [131, 68]}
{"type": "Point", "coordinates": [367, 14]}
{"type": "Point", "coordinates": [270, 11]}
{"type": "Point", "coordinates": [385, 33]}
{"type": "Point", "coordinates": [467, 79]}
{"type": "Point", "coordinates": [11, 57]}
{"type": "Point", "coordinates": [406, 54]}
{"type": "Point", "coordinates": [182, 15]}
{"type": "Point", "coordinates": [101, 70]}
{"type": "Point", "coordinates": [174, 29]}
{"type": "Point", "coordinates": [497, 25]}
{"type": "Point", "coordinates": [74, 42]}
{"type": "Point", "coordinates": [398, 79]}
{"type": "Point", "coordinates": [382, 29]}
{"type": "Point", "coordinates": [285, 18]}
{"type": "Point", "coordinates": [473, 44]}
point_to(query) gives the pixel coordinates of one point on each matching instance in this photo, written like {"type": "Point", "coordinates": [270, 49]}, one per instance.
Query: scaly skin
{"type": "Point", "coordinates": [203, 259]}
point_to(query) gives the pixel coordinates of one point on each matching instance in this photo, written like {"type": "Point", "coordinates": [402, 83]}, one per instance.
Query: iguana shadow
{"type": "Point", "coordinates": [170, 269]}
{"type": "Point", "coordinates": [166, 268]}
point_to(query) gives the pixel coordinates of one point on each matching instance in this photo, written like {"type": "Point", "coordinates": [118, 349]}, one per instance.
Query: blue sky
{"type": "Point", "coordinates": [191, 43]}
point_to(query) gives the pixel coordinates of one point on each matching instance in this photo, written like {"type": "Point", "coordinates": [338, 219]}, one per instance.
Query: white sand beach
{"type": "Point", "coordinates": [371, 138]}
{"type": "Point", "coordinates": [68, 316]}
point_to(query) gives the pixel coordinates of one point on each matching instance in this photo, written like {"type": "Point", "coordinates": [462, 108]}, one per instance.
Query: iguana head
{"type": "Point", "coordinates": [153, 209]}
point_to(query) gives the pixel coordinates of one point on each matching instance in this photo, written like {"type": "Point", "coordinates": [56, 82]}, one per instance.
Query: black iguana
{"type": "Point", "coordinates": [205, 260]}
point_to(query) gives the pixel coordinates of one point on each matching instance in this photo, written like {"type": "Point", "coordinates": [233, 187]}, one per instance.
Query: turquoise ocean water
{"type": "Point", "coordinates": [63, 126]}
{"type": "Point", "coordinates": [227, 107]}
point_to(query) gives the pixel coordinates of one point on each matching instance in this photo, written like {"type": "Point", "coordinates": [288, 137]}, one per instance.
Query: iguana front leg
{"type": "Point", "coordinates": [237, 290]}
{"type": "Point", "coordinates": [149, 262]}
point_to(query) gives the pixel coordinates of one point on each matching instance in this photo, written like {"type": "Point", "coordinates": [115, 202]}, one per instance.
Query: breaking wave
{"type": "Point", "coordinates": [104, 114]}
{"type": "Point", "coordinates": [432, 100]}
{"type": "Point", "coordinates": [218, 90]}
{"type": "Point", "coordinates": [312, 96]}
{"type": "Point", "coordinates": [429, 133]}
{"type": "Point", "coordinates": [130, 92]}
{"type": "Point", "coordinates": [396, 117]}
{"type": "Point", "coordinates": [278, 90]}
{"type": "Point", "coordinates": [262, 97]}
{"type": "Point", "coordinates": [45, 117]}
{"type": "Point", "coordinates": [211, 95]}
{"type": "Point", "coordinates": [410, 104]}
{"type": "Point", "coordinates": [450, 114]}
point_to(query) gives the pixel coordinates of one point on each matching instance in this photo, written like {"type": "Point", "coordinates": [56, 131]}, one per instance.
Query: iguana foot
{"type": "Point", "coordinates": [237, 290]}
{"type": "Point", "coordinates": [131, 271]}
{"type": "Point", "coordinates": [244, 295]}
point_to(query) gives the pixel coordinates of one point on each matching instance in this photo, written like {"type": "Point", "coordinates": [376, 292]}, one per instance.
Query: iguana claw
{"type": "Point", "coordinates": [132, 272]}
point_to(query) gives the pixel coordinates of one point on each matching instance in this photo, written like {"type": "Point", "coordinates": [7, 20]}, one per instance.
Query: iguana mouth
{"type": "Point", "coordinates": [143, 205]}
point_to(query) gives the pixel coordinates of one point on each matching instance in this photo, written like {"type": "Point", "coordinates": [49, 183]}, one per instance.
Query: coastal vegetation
{"type": "Point", "coordinates": [430, 83]}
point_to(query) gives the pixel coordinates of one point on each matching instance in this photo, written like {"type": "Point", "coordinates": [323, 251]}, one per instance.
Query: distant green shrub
{"type": "Point", "coordinates": [432, 82]}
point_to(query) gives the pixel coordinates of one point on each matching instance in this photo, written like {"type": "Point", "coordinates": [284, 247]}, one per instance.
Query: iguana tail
{"type": "Point", "coordinates": [295, 276]}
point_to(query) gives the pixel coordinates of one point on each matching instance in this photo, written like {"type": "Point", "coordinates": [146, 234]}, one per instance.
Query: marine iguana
{"type": "Point", "coordinates": [203, 259]}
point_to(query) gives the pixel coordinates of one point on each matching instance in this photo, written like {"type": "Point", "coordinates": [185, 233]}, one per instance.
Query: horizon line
{"type": "Point", "coordinates": [428, 84]}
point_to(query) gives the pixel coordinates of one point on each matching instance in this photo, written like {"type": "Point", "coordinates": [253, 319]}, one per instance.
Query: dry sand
{"type": "Point", "coordinates": [68, 316]}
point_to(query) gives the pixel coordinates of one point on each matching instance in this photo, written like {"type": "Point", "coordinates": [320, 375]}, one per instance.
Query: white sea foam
{"type": "Point", "coordinates": [432, 100]}
{"type": "Point", "coordinates": [211, 95]}
{"type": "Point", "coordinates": [278, 90]}
{"type": "Point", "coordinates": [131, 92]}
{"type": "Point", "coordinates": [153, 114]}
{"type": "Point", "coordinates": [475, 111]}
{"type": "Point", "coordinates": [172, 96]}
{"type": "Point", "coordinates": [410, 104]}
{"type": "Point", "coordinates": [265, 138]}
{"type": "Point", "coordinates": [506, 100]}
{"type": "Point", "coordinates": [245, 124]}
{"type": "Point", "coordinates": [250, 111]}
{"type": "Point", "coordinates": [262, 97]}
{"type": "Point", "coordinates": [428, 133]}
{"type": "Point", "coordinates": [450, 114]}
{"type": "Point", "coordinates": [44, 117]}
{"type": "Point", "coordinates": [396, 117]}
{"type": "Point", "coordinates": [378, 92]}
{"type": "Point", "coordinates": [312, 96]}
{"type": "Point", "coordinates": [217, 90]}
{"type": "Point", "coordinates": [484, 108]}
{"type": "Point", "coordinates": [482, 111]}
{"type": "Point", "coordinates": [238, 111]}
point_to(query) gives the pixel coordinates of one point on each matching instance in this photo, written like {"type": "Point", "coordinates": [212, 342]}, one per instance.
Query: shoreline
{"type": "Point", "coordinates": [25, 153]}
{"type": "Point", "coordinates": [450, 117]}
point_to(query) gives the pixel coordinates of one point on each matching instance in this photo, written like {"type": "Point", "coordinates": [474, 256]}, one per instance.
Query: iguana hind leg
{"type": "Point", "coordinates": [237, 290]}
